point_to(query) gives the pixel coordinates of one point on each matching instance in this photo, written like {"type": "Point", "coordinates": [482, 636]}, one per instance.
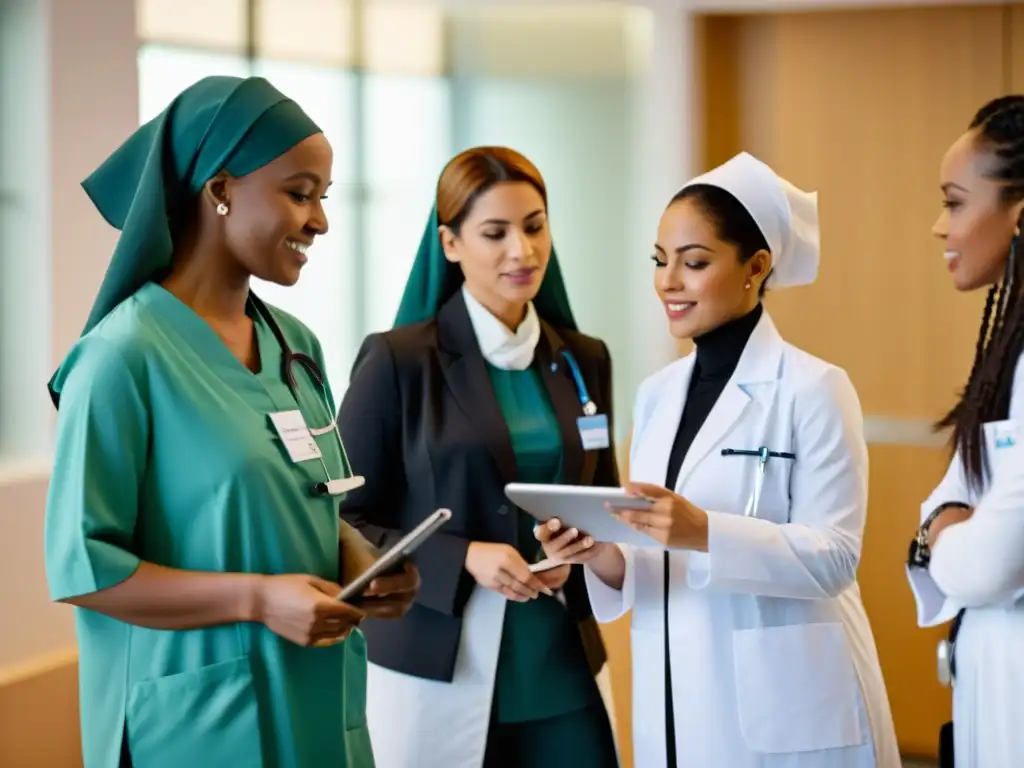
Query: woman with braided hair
{"type": "Point", "coordinates": [967, 561]}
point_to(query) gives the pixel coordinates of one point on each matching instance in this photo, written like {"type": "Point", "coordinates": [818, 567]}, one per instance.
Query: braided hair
{"type": "Point", "coordinates": [986, 397]}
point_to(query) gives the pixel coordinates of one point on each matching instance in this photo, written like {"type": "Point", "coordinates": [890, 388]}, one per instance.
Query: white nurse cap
{"type": "Point", "coordinates": [786, 216]}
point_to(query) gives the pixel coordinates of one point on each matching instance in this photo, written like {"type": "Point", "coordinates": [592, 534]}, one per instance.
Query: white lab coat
{"type": "Point", "coordinates": [418, 723]}
{"type": "Point", "coordinates": [979, 565]}
{"type": "Point", "coordinates": [773, 660]}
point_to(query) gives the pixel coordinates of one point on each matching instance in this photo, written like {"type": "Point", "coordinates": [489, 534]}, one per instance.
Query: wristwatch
{"type": "Point", "coordinates": [920, 548]}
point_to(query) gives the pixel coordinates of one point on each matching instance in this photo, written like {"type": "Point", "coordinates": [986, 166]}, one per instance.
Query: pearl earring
{"type": "Point", "coordinates": [747, 286]}
{"type": "Point", "coordinates": [222, 209]}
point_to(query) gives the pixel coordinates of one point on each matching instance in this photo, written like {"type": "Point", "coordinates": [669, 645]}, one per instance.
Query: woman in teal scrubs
{"type": "Point", "coordinates": [185, 520]}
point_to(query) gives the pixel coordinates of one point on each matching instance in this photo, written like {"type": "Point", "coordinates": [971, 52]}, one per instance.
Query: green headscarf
{"type": "Point", "coordinates": [434, 280]}
{"type": "Point", "coordinates": [219, 123]}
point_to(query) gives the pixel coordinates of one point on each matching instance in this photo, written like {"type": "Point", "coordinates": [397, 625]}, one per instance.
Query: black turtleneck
{"type": "Point", "coordinates": [718, 353]}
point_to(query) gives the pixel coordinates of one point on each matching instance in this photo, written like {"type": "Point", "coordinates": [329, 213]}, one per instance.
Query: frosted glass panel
{"type": "Point", "coordinates": [216, 24]}
{"type": "Point", "coordinates": [408, 140]}
{"type": "Point", "coordinates": [395, 225]}
{"type": "Point", "coordinates": [315, 31]}
{"type": "Point", "coordinates": [575, 131]}
{"type": "Point", "coordinates": [403, 37]}
{"type": "Point", "coordinates": [327, 96]}
{"type": "Point", "coordinates": [408, 132]}
{"type": "Point", "coordinates": [580, 148]}
{"type": "Point", "coordinates": [164, 72]}
{"type": "Point", "coordinates": [25, 295]}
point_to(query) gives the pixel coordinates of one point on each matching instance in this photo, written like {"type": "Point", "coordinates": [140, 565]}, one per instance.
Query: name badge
{"type": "Point", "coordinates": [1004, 435]}
{"type": "Point", "coordinates": [295, 435]}
{"type": "Point", "coordinates": [594, 432]}
{"type": "Point", "coordinates": [1000, 437]}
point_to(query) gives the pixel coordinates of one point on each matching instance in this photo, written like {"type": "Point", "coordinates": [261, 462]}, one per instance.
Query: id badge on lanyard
{"type": "Point", "coordinates": [593, 426]}
{"type": "Point", "coordinates": [300, 443]}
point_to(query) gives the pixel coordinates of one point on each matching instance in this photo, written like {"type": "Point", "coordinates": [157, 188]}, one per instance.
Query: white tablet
{"type": "Point", "coordinates": [581, 507]}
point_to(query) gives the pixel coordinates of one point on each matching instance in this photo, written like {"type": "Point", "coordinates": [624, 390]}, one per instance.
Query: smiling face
{"type": "Point", "coordinates": [699, 277]}
{"type": "Point", "coordinates": [977, 224]}
{"type": "Point", "coordinates": [503, 246]}
{"type": "Point", "coordinates": [275, 212]}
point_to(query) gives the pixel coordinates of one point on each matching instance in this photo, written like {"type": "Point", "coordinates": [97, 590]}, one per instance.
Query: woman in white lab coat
{"type": "Point", "coordinates": [967, 561]}
{"type": "Point", "coordinates": [746, 606]}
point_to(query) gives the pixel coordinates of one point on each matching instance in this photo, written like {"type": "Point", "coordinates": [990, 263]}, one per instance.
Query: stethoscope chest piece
{"type": "Point", "coordinates": [338, 487]}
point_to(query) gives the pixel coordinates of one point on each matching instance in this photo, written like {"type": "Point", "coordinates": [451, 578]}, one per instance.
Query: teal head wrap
{"type": "Point", "coordinates": [434, 280]}
{"type": "Point", "coordinates": [219, 123]}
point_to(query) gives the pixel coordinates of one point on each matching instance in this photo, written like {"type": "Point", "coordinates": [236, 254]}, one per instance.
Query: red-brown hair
{"type": "Point", "coordinates": [473, 172]}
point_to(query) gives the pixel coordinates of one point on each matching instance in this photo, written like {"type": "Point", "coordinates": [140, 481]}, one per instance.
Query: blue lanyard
{"type": "Point", "coordinates": [589, 409]}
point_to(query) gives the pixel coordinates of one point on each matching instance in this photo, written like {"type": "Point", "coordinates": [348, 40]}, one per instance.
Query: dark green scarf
{"type": "Point", "coordinates": [434, 280]}
{"type": "Point", "coordinates": [219, 123]}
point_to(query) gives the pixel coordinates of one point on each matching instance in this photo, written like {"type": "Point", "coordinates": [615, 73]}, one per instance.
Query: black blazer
{"type": "Point", "coordinates": [422, 424]}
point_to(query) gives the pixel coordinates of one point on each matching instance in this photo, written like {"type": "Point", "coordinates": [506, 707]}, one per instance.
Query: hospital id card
{"type": "Point", "coordinates": [594, 432]}
{"type": "Point", "coordinates": [298, 440]}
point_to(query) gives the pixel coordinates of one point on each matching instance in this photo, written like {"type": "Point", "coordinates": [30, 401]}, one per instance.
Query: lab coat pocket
{"type": "Point", "coordinates": [796, 688]}
{"type": "Point", "coordinates": [207, 715]}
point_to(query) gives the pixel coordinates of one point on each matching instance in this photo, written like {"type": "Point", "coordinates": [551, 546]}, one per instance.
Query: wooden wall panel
{"type": "Point", "coordinates": [39, 717]}
{"type": "Point", "coordinates": [861, 107]}
{"type": "Point", "coordinates": [620, 657]}
{"type": "Point", "coordinates": [1015, 49]}
{"type": "Point", "coordinates": [901, 478]}
{"type": "Point", "coordinates": [616, 638]}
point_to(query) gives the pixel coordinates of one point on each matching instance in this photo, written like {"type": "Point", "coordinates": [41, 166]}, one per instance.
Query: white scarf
{"type": "Point", "coordinates": [501, 347]}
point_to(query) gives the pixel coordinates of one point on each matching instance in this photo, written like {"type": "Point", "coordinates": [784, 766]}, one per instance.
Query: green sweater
{"type": "Point", "coordinates": [542, 668]}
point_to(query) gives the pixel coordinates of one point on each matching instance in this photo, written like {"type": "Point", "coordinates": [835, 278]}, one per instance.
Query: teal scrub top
{"type": "Point", "coordinates": [165, 453]}
{"type": "Point", "coordinates": [542, 667]}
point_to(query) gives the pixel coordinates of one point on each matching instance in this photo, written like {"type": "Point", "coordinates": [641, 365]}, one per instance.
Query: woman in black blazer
{"type": "Point", "coordinates": [475, 387]}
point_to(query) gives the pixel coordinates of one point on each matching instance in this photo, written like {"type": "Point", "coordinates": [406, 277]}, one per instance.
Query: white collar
{"type": "Point", "coordinates": [501, 347]}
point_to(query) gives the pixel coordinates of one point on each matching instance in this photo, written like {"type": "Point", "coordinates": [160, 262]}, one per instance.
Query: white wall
{"type": "Point", "coordinates": [89, 86]}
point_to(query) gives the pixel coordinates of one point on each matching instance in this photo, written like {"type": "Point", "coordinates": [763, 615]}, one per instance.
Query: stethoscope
{"type": "Point", "coordinates": [289, 358]}
{"type": "Point", "coordinates": [763, 454]}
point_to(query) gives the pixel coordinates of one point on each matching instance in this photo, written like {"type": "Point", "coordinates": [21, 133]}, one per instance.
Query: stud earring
{"type": "Point", "coordinates": [222, 209]}
{"type": "Point", "coordinates": [747, 286]}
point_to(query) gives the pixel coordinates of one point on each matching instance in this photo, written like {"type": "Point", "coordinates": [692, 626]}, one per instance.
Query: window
{"type": "Point", "coordinates": [24, 269]}
{"type": "Point", "coordinates": [398, 87]}
{"type": "Point", "coordinates": [165, 71]}
{"type": "Point", "coordinates": [371, 75]}
{"type": "Point", "coordinates": [402, 167]}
